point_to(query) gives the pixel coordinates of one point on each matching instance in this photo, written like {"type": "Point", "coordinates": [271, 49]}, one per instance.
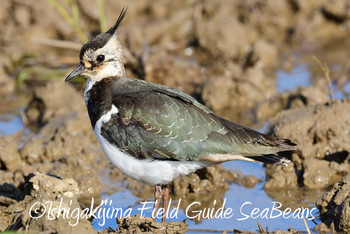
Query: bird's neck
{"type": "Point", "coordinates": [98, 98]}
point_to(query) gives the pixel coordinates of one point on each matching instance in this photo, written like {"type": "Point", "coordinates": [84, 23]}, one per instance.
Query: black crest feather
{"type": "Point", "coordinates": [100, 40]}
{"type": "Point", "coordinates": [119, 20]}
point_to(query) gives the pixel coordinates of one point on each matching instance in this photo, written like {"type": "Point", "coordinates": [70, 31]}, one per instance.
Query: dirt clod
{"type": "Point", "coordinates": [136, 224]}
{"type": "Point", "coordinates": [9, 157]}
{"type": "Point", "coordinates": [334, 206]}
{"type": "Point", "coordinates": [319, 174]}
{"type": "Point", "coordinates": [53, 99]}
{"type": "Point", "coordinates": [281, 177]}
{"type": "Point", "coordinates": [47, 197]}
{"type": "Point", "coordinates": [321, 132]}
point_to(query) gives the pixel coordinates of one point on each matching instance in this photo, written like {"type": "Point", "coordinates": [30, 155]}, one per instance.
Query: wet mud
{"type": "Point", "coordinates": [189, 46]}
{"type": "Point", "coordinates": [334, 207]}
{"type": "Point", "coordinates": [321, 132]}
{"type": "Point", "coordinates": [41, 194]}
{"type": "Point", "coordinates": [136, 224]}
{"type": "Point", "coordinates": [322, 137]}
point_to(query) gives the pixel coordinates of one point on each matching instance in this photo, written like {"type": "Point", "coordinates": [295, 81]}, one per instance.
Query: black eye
{"type": "Point", "coordinates": [100, 58]}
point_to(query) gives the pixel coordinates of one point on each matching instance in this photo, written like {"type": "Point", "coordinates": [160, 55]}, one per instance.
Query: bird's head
{"type": "Point", "coordinates": [102, 56]}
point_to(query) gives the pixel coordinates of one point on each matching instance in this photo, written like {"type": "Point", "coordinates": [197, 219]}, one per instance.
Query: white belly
{"type": "Point", "coordinates": [147, 171]}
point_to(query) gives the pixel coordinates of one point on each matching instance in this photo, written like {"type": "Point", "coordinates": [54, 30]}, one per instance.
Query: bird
{"type": "Point", "coordinates": [154, 133]}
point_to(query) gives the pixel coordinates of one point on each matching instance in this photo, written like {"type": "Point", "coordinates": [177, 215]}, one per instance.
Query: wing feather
{"type": "Point", "coordinates": [163, 123]}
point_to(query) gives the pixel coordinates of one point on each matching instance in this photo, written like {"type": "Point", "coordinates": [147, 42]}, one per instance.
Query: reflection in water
{"type": "Point", "coordinates": [248, 205]}
{"type": "Point", "coordinates": [296, 197]}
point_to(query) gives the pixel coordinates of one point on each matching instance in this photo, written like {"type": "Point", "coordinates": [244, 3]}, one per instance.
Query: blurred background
{"type": "Point", "coordinates": [280, 67]}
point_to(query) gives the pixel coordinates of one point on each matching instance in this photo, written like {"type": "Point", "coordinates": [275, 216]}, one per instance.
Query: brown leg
{"type": "Point", "coordinates": [158, 196]}
{"type": "Point", "coordinates": [165, 192]}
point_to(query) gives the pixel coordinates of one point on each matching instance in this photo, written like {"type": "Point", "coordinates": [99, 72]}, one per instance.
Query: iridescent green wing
{"type": "Point", "coordinates": [158, 122]}
{"type": "Point", "coordinates": [155, 125]}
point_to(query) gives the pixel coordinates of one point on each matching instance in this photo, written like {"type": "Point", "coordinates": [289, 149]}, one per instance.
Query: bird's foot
{"type": "Point", "coordinates": [283, 161]}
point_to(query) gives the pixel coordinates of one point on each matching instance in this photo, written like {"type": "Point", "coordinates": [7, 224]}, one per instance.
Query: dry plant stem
{"type": "Point", "coordinates": [69, 45]}
{"type": "Point", "coordinates": [307, 227]}
{"type": "Point", "coordinates": [62, 11]}
{"type": "Point", "coordinates": [261, 229]}
{"type": "Point", "coordinates": [99, 206]}
{"type": "Point", "coordinates": [102, 15]}
{"type": "Point", "coordinates": [75, 16]}
{"type": "Point", "coordinates": [326, 72]}
{"type": "Point", "coordinates": [73, 20]}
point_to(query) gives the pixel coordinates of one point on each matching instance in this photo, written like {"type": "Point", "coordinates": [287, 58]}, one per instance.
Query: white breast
{"type": "Point", "coordinates": [147, 171]}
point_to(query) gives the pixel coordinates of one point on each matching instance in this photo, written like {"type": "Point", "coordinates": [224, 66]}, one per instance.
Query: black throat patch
{"type": "Point", "coordinates": [99, 99]}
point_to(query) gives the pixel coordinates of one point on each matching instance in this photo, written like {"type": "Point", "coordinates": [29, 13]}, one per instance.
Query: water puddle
{"type": "Point", "coordinates": [338, 94]}
{"type": "Point", "coordinates": [10, 124]}
{"type": "Point", "coordinates": [10, 114]}
{"type": "Point", "coordinates": [300, 75]}
{"type": "Point", "coordinates": [123, 200]}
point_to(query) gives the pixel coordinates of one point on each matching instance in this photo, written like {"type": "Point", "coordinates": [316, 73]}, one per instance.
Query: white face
{"type": "Point", "coordinates": [104, 62]}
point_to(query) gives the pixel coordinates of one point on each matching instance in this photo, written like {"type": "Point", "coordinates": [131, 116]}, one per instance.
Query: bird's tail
{"type": "Point", "coordinates": [271, 159]}
{"type": "Point", "coordinates": [258, 146]}
{"type": "Point", "coordinates": [279, 149]}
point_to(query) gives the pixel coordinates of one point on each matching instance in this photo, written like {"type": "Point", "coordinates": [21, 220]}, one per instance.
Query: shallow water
{"type": "Point", "coordinates": [10, 124]}
{"type": "Point", "coordinates": [338, 94]}
{"type": "Point", "coordinates": [241, 200]}
{"type": "Point", "coordinates": [300, 75]}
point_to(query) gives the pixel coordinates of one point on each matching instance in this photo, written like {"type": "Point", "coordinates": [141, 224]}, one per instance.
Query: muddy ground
{"type": "Point", "coordinates": [223, 53]}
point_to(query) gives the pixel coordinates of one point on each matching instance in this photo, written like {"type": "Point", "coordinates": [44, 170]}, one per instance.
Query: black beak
{"type": "Point", "coordinates": [77, 71]}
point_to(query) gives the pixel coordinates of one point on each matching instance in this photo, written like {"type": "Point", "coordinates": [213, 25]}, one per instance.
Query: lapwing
{"type": "Point", "coordinates": [153, 133]}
